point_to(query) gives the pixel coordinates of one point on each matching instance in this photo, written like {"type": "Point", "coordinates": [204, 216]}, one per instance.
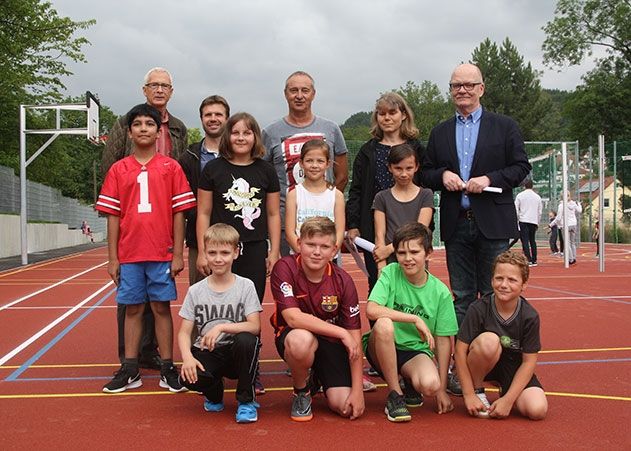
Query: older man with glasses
{"type": "Point", "coordinates": [157, 88]}
{"type": "Point", "coordinates": [466, 155]}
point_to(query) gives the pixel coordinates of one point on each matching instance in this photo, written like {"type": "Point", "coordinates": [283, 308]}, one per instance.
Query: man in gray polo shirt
{"type": "Point", "coordinates": [284, 138]}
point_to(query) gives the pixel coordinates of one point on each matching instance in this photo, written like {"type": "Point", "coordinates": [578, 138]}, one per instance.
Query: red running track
{"type": "Point", "coordinates": [58, 348]}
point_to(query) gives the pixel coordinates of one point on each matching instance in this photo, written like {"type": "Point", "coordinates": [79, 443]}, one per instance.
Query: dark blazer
{"type": "Point", "coordinates": [499, 154]}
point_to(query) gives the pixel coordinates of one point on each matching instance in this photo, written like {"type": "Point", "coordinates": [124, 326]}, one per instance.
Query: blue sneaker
{"type": "Point", "coordinates": [246, 412]}
{"type": "Point", "coordinates": [213, 406]}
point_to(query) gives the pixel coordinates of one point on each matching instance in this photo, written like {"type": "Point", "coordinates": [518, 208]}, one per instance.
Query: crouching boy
{"type": "Point", "coordinates": [498, 342]}
{"type": "Point", "coordinates": [225, 311]}
{"type": "Point", "coordinates": [413, 313]}
{"type": "Point", "coordinates": [317, 323]}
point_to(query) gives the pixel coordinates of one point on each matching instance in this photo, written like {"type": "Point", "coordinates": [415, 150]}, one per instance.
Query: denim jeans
{"type": "Point", "coordinates": [470, 257]}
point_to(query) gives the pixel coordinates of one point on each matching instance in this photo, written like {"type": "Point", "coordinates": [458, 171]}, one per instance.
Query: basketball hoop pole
{"type": "Point", "coordinates": [91, 131]}
{"type": "Point", "coordinates": [600, 243]}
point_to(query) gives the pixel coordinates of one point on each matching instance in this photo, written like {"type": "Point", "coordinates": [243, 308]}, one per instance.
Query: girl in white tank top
{"type": "Point", "coordinates": [314, 196]}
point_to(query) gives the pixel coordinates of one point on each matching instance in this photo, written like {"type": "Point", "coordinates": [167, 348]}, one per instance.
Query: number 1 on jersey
{"type": "Point", "coordinates": [143, 180]}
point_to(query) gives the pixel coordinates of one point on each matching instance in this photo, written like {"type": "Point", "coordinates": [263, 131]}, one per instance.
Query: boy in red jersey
{"type": "Point", "coordinates": [317, 323]}
{"type": "Point", "coordinates": [144, 196]}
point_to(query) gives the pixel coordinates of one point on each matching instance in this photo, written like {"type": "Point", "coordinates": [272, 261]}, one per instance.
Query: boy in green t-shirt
{"type": "Point", "coordinates": [412, 311]}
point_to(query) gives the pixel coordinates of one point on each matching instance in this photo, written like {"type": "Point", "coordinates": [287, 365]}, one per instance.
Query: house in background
{"type": "Point", "coordinates": [588, 192]}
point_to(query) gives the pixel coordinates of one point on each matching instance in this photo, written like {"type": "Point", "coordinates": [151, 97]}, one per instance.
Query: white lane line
{"type": "Point", "coordinates": [28, 296]}
{"type": "Point", "coordinates": [24, 345]}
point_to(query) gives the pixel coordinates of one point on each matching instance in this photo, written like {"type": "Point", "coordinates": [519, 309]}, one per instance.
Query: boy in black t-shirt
{"type": "Point", "coordinates": [498, 341]}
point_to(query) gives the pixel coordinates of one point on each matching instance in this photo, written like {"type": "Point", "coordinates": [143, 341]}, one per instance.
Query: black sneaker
{"type": "Point", "coordinates": [410, 395]}
{"type": "Point", "coordinates": [396, 410]}
{"type": "Point", "coordinates": [125, 378]}
{"type": "Point", "coordinates": [169, 378]}
{"type": "Point", "coordinates": [453, 385]}
{"type": "Point", "coordinates": [301, 407]}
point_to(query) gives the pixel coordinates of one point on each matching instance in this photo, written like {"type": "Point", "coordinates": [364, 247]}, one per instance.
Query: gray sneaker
{"type": "Point", "coordinates": [453, 384]}
{"type": "Point", "coordinates": [301, 407]}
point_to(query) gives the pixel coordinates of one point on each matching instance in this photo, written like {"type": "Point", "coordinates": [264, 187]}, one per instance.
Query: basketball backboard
{"type": "Point", "coordinates": [93, 106]}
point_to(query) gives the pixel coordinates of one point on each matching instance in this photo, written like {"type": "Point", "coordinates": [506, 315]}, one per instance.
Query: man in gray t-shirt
{"type": "Point", "coordinates": [284, 138]}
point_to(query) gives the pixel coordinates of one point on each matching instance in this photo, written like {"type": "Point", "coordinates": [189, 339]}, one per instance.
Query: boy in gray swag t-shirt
{"type": "Point", "coordinates": [224, 311]}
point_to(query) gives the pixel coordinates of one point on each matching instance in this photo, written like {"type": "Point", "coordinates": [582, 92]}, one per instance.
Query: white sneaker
{"type": "Point", "coordinates": [479, 392]}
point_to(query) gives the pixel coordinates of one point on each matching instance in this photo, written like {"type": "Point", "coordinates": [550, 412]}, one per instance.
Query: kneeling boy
{"type": "Point", "coordinates": [317, 323]}
{"type": "Point", "coordinates": [499, 341]}
{"type": "Point", "coordinates": [412, 310]}
{"type": "Point", "coordinates": [225, 310]}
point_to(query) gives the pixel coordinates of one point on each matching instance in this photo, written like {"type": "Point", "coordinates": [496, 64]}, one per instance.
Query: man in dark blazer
{"type": "Point", "coordinates": [472, 151]}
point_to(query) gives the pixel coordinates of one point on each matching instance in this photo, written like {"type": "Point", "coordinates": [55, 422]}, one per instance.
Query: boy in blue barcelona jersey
{"type": "Point", "coordinates": [414, 314]}
{"type": "Point", "coordinates": [498, 342]}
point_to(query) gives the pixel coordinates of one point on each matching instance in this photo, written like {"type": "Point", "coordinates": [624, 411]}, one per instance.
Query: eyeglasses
{"type": "Point", "coordinates": [467, 86]}
{"type": "Point", "coordinates": [155, 86]}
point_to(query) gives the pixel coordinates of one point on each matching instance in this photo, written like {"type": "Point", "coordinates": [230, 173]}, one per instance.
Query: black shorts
{"type": "Point", "coordinates": [331, 365]}
{"type": "Point", "coordinates": [504, 372]}
{"type": "Point", "coordinates": [403, 356]}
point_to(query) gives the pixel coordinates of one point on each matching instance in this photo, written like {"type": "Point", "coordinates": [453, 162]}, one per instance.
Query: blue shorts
{"type": "Point", "coordinates": [145, 281]}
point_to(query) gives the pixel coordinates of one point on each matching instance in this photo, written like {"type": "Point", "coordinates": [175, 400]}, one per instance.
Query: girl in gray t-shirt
{"type": "Point", "coordinates": [404, 202]}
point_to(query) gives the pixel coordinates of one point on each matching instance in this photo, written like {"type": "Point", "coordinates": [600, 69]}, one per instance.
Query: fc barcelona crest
{"type": "Point", "coordinates": [329, 303]}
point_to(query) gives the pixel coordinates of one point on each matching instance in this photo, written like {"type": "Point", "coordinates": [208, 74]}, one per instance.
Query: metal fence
{"type": "Point", "coordinates": [545, 158]}
{"type": "Point", "coordinates": [45, 204]}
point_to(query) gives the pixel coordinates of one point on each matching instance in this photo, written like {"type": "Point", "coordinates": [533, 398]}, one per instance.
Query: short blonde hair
{"type": "Point", "coordinates": [221, 233]}
{"type": "Point", "coordinates": [318, 225]}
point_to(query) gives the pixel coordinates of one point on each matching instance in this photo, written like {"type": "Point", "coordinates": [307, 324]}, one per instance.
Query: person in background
{"type": "Point", "coordinates": [284, 138]}
{"type": "Point", "coordinates": [214, 111]}
{"type": "Point", "coordinates": [529, 208]}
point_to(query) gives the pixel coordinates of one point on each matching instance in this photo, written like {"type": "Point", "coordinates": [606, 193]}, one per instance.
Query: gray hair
{"type": "Point", "coordinates": [303, 73]}
{"type": "Point", "coordinates": [157, 69]}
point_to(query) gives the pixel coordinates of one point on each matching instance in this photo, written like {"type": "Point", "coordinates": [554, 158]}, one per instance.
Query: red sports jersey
{"type": "Point", "coordinates": [145, 197]}
{"type": "Point", "coordinates": [334, 299]}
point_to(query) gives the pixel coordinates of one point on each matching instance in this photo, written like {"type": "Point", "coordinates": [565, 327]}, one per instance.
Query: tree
{"type": "Point", "coordinates": [600, 105]}
{"type": "Point", "coordinates": [357, 126]}
{"type": "Point", "coordinates": [194, 135]}
{"type": "Point", "coordinates": [35, 46]}
{"type": "Point", "coordinates": [427, 103]}
{"type": "Point", "coordinates": [581, 25]}
{"type": "Point", "coordinates": [512, 88]}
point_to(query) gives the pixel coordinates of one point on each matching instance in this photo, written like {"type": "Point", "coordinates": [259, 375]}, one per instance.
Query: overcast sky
{"type": "Point", "coordinates": [244, 50]}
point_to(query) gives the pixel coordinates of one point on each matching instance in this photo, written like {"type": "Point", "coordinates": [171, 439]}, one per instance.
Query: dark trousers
{"type": "Point", "coordinates": [554, 232]}
{"type": "Point", "coordinates": [527, 234]}
{"type": "Point", "coordinates": [238, 360]}
{"type": "Point", "coordinates": [148, 344]}
{"type": "Point", "coordinates": [470, 257]}
{"type": "Point", "coordinates": [251, 264]}
{"type": "Point", "coordinates": [371, 267]}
